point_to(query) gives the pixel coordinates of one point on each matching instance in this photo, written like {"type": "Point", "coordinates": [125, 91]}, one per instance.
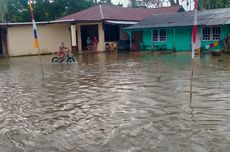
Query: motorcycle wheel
{"type": "Point", "coordinates": [55, 59]}
{"type": "Point", "coordinates": [70, 60]}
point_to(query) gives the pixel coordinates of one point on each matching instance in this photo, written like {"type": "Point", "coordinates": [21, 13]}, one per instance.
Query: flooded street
{"type": "Point", "coordinates": [126, 102]}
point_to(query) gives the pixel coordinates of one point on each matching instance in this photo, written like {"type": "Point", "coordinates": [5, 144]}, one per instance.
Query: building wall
{"type": "Point", "coordinates": [101, 40]}
{"type": "Point", "coordinates": [147, 40]}
{"type": "Point", "coordinates": [224, 33]}
{"type": "Point", "coordinates": [228, 27]}
{"type": "Point", "coordinates": [21, 40]}
{"type": "Point", "coordinates": [180, 41]}
{"type": "Point", "coordinates": [183, 39]}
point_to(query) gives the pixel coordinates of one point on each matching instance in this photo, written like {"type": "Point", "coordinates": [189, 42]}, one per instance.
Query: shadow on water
{"type": "Point", "coordinates": [115, 102]}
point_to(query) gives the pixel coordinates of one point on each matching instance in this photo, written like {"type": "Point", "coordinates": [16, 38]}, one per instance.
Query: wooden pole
{"type": "Point", "coordinates": [191, 79]}
{"type": "Point", "coordinates": [36, 44]}
{"type": "Point", "coordinates": [40, 59]}
{"type": "Point", "coordinates": [194, 33]}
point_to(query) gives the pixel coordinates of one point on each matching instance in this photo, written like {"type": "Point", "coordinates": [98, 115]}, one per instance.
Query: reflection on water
{"type": "Point", "coordinates": [115, 102]}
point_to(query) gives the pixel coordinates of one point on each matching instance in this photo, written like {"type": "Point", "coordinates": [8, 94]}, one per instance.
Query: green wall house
{"type": "Point", "coordinates": [173, 32]}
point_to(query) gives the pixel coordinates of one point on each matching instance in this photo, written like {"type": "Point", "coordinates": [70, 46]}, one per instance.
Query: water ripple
{"type": "Point", "coordinates": [115, 102]}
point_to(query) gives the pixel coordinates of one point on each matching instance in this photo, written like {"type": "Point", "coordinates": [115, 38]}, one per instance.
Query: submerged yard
{"type": "Point", "coordinates": [115, 102]}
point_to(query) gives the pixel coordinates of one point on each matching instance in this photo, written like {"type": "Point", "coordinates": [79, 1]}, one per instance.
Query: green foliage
{"type": "Point", "coordinates": [151, 3]}
{"type": "Point", "coordinates": [17, 11]}
{"type": "Point", "coordinates": [203, 4]}
{"type": "Point", "coordinates": [44, 10]}
{"type": "Point", "coordinates": [105, 2]}
{"type": "Point", "coordinates": [212, 4]}
{"type": "Point", "coordinates": [3, 10]}
{"type": "Point", "coordinates": [136, 3]}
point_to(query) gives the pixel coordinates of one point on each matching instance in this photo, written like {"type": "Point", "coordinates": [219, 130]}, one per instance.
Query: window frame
{"type": "Point", "coordinates": [218, 28]}
{"type": "Point", "coordinates": [212, 33]}
{"type": "Point", "coordinates": [158, 37]}
{"type": "Point", "coordinates": [111, 33]}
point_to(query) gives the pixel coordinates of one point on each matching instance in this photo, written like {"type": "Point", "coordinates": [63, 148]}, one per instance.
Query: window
{"type": "Point", "coordinates": [155, 35]}
{"type": "Point", "coordinates": [162, 35]}
{"type": "Point", "coordinates": [211, 33]}
{"type": "Point", "coordinates": [216, 33]}
{"type": "Point", "coordinates": [112, 33]}
{"type": "Point", "coordinates": [159, 35]}
{"type": "Point", "coordinates": [206, 33]}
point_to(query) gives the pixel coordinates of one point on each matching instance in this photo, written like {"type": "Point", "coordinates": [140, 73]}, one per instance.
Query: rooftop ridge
{"type": "Point", "coordinates": [105, 11]}
{"type": "Point", "coordinates": [101, 12]}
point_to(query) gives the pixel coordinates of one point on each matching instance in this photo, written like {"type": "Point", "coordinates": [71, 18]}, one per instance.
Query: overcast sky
{"type": "Point", "coordinates": [125, 2]}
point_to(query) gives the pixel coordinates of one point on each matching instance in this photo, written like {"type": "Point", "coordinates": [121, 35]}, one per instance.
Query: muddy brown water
{"type": "Point", "coordinates": [118, 102]}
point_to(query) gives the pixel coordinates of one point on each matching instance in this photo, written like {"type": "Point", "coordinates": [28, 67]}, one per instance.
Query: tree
{"type": "Point", "coordinates": [3, 10]}
{"type": "Point", "coordinates": [105, 2]}
{"type": "Point", "coordinates": [44, 10]}
{"type": "Point", "coordinates": [120, 4]}
{"type": "Point", "coordinates": [212, 4]}
{"type": "Point", "coordinates": [152, 3]}
{"type": "Point", "coordinates": [174, 2]}
{"type": "Point", "coordinates": [136, 3]}
{"type": "Point", "coordinates": [18, 11]}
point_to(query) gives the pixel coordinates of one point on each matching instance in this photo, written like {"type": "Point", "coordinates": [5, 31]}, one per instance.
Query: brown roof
{"type": "Point", "coordinates": [111, 12]}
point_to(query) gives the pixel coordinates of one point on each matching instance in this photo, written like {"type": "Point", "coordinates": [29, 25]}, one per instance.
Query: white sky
{"type": "Point", "coordinates": [125, 2]}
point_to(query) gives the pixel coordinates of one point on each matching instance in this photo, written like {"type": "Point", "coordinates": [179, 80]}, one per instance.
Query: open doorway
{"type": "Point", "coordinates": [1, 42]}
{"type": "Point", "coordinates": [137, 39]}
{"type": "Point", "coordinates": [88, 32]}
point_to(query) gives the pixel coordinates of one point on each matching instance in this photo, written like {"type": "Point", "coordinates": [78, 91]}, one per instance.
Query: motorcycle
{"type": "Point", "coordinates": [63, 56]}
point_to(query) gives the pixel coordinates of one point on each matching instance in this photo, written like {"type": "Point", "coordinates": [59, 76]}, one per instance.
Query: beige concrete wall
{"type": "Point", "coordinates": [21, 40]}
{"type": "Point", "coordinates": [101, 39]}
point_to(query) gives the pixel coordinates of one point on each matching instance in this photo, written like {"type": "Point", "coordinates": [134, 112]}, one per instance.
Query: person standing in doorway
{"type": "Point", "coordinates": [95, 43]}
{"type": "Point", "coordinates": [88, 42]}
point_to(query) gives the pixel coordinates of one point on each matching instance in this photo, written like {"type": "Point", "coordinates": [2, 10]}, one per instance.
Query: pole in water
{"type": "Point", "coordinates": [194, 33]}
{"type": "Point", "coordinates": [36, 44]}
{"type": "Point", "coordinates": [40, 59]}
{"type": "Point", "coordinates": [191, 81]}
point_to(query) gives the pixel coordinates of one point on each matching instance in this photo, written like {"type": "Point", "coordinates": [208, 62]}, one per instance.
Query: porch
{"type": "Point", "coordinates": [98, 37]}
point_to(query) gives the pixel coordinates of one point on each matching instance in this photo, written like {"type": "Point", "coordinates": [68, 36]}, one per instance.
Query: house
{"type": "Point", "coordinates": [16, 39]}
{"type": "Point", "coordinates": [173, 31]}
{"type": "Point", "coordinates": [105, 22]}
{"type": "Point", "coordinates": [101, 22]}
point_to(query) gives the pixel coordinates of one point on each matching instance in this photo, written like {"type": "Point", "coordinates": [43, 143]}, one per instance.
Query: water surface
{"type": "Point", "coordinates": [125, 102]}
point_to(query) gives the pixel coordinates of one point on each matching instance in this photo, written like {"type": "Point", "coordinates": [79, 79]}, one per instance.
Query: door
{"type": "Point", "coordinates": [88, 31]}
{"type": "Point", "coordinates": [1, 42]}
{"type": "Point", "coordinates": [137, 38]}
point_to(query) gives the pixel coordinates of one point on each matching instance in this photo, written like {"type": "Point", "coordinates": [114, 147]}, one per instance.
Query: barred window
{"type": "Point", "coordinates": [162, 35]}
{"type": "Point", "coordinates": [211, 33]}
{"type": "Point", "coordinates": [155, 35]}
{"type": "Point", "coordinates": [206, 33]}
{"type": "Point", "coordinates": [159, 35]}
{"type": "Point", "coordinates": [216, 33]}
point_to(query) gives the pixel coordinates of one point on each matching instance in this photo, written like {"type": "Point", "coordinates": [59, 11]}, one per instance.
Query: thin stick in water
{"type": "Point", "coordinates": [191, 80]}
{"type": "Point", "coordinates": [40, 59]}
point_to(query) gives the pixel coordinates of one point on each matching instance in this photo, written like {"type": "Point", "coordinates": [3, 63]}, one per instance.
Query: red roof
{"type": "Point", "coordinates": [111, 12]}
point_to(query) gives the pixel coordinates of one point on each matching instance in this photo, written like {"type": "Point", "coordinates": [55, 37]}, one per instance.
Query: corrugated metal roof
{"type": "Point", "coordinates": [38, 23]}
{"type": "Point", "coordinates": [121, 22]}
{"type": "Point", "coordinates": [111, 12]}
{"type": "Point", "coordinates": [205, 17]}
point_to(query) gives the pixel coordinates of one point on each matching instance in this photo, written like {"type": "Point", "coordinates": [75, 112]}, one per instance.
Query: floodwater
{"type": "Point", "coordinates": [125, 102]}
